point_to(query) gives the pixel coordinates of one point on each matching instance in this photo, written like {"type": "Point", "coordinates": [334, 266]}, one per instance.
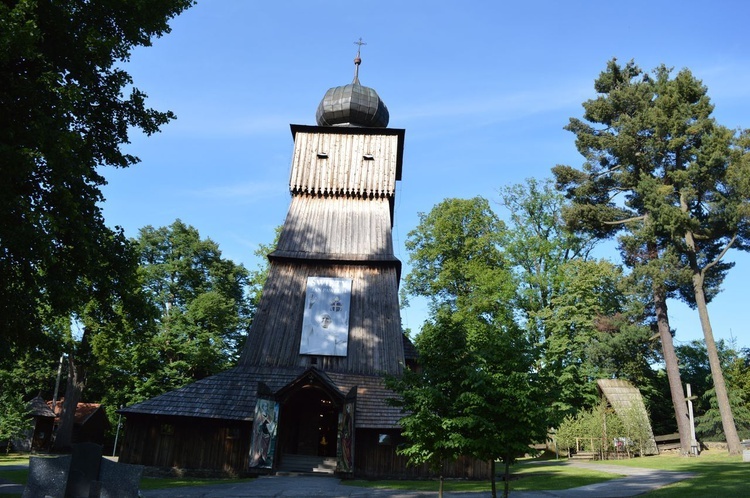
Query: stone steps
{"type": "Point", "coordinates": [306, 464]}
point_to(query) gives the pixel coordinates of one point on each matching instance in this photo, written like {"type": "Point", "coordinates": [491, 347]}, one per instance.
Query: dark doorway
{"type": "Point", "coordinates": [309, 423]}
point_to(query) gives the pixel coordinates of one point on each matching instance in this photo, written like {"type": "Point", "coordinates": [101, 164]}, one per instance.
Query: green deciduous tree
{"type": "Point", "coordinates": [661, 170]}
{"type": "Point", "coordinates": [429, 396]}
{"type": "Point", "coordinates": [451, 250]}
{"type": "Point", "coordinates": [198, 308]}
{"type": "Point", "coordinates": [589, 291]}
{"type": "Point", "coordinates": [201, 298]}
{"type": "Point", "coordinates": [537, 243]}
{"type": "Point", "coordinates": [476, 393]}
{"type": "Point", "coordinates": [29, 371]}
{"type": "Point", "coordinates": [184, 318]}
{"type": "Point", "coordinates": [503, 403]}
{"type": "Point", "coordinates": [578, 311]}
{"type": "Point", "coordinates": [63, 115]}
{"type": "Point", "coordinates": [14, 418]}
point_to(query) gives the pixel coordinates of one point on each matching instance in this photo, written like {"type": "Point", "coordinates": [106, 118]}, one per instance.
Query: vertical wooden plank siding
{"type": "Point", "coordinates": [375, 344]}
{"type": "Point", "coordinates": [373, 460]}
{"type": "Point", "coordinates": [336, 228]}
{"type": "Point", "coordinates": [218, 445]}
{"type": "Point", "coordinates": [344, 170]}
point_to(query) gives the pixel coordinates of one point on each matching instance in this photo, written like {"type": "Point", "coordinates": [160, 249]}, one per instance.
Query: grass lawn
{"type": "Point", "coordinates": [537, 475]}
{"type": "Point", "coordinates": [718, 474]}
{"type": "Point", "coordinates": [13, 459]}
{"type": "Point", "coordinates": [529, 475]}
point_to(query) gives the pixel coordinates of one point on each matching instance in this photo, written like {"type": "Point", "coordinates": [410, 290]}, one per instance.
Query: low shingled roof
{"type": "Point", "coordinates": [231, 395]}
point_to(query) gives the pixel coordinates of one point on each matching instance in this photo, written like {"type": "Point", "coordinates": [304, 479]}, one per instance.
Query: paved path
{"type": "Point", "coordinates": [636, 482]}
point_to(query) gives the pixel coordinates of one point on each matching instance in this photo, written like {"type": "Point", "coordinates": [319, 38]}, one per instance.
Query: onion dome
{"type": "Point", "coordinates": [353, 104]}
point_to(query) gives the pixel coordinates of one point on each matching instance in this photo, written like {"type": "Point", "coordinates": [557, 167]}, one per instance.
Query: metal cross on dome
{"type": "Point", "coordinates": [358, 60]}
{"type": "Point", "coordinates": [359, 43]}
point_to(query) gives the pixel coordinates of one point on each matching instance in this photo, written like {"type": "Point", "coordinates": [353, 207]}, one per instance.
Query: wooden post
{"type": "Point", "coordinates": [693, 442]}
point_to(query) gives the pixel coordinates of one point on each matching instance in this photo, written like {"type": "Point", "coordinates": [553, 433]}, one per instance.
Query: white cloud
{"type": "Point", "coordinates": [227, 126]}
{"type": "Point", "coordinates": [501, 106]}
{"type": "Point", "coordinates": [242, 193]}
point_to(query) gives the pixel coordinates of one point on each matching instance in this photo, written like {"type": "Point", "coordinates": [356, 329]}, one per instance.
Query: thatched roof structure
{"type": "Point", "coordinates": [626, 400]}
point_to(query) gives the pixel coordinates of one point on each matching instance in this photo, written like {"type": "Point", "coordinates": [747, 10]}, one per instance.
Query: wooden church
{"type": "Point", "coordinates": [308, 393]}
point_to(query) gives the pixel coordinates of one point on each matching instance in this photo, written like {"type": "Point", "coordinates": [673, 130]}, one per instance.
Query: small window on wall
{"type": "Point", "coordinates": [385, 439]}
{"type": "Point", "coordinates": [167, 429]}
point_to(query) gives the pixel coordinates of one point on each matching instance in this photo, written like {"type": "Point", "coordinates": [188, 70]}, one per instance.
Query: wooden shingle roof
{"type": "Point", "coordinates": [410, 351]}
{"type": "Point", "coordinates": [231, 395]}
{"type": "Point", "coordinates": [39, 408]}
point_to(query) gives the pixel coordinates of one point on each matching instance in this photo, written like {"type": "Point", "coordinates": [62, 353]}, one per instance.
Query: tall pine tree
{"type": "Point", "coordinates": [662, 172]}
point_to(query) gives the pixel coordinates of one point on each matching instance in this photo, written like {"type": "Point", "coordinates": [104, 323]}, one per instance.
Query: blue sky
{"type": "Point", "coordinates": [483, 90]}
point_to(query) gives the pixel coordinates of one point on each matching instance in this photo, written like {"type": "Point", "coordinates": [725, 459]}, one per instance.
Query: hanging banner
{"type": "Point", "coordinates": [325, 323]}
{"type": "Point", "coordinates": [345, 446]}
{"type": "Point", "coordinates": [265, 423]}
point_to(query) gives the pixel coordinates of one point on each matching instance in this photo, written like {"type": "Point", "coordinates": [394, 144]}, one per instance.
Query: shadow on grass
{"type": "Point", "coordinates": [15, 476]}
{"type": "Point", "coordinates": [537, 476]}
{"type": "Point", "coordinates": [540, 475]}
{"type": "Point", "coordinates": [717, 474]}
{"type": "Point", "coordinates": [21, 476]}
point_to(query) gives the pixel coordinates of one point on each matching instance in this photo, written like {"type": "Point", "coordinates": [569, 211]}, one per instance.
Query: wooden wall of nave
{"type": "Point", "coordinates": [373, 460]}
{"type": "Point", "coordinates": [186, 443]}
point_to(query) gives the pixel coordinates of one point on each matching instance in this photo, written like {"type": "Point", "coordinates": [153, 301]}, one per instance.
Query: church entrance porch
{"type": "Point", "coordinates": [308, 423]}
{"type": "Point", "coordinates": [316, 425]}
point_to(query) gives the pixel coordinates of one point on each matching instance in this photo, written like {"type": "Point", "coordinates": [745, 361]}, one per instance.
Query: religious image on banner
{"type": "Point", "coordinates": [345, 449]}
{"type": "Point", "coordinates": [325, 323]}
{"type": "Point", "coordinates": [263, 443]}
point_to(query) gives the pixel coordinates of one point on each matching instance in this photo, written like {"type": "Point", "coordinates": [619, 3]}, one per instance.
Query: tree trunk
{"type": "Point", "coordinates": [440, 488]}
{"type": "Point", "coordinates": [673, 370]}
{"type": "Point", "coordinates": [722, 398]}
{"type": "Point", "coordinates": [506, 477]}
{"type": "Point", "coordinates": [492, 478]}
{"type": "Point", "coordinates": [73, 390]}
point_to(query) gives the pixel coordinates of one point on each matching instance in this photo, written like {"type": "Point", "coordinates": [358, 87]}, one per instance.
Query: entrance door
{"type": "Point", "coordinates": [309, 422]}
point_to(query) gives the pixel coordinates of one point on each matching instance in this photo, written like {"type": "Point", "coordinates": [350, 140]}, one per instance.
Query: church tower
{"type": "Point", "coordinates": [309, 390]}
{"type": "Point", "coordinates": [331, 301]}
{"type": "Point", "coordinates": [330, 305]}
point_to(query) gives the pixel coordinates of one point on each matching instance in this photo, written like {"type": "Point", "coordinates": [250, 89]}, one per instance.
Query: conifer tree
{"type": "Point", "coordinates": [662, 172]}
